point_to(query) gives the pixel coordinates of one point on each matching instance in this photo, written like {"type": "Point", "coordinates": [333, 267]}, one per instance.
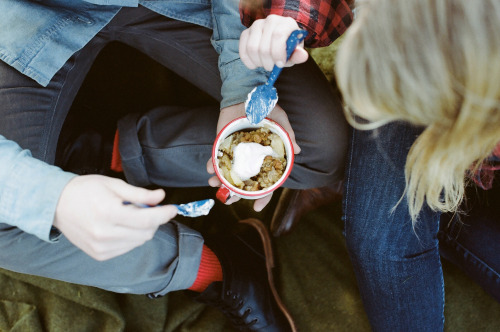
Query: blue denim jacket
{"type": "Point", "coordinates": [29, 190]}
{"type": "Point", "coordinates": [38, 36]}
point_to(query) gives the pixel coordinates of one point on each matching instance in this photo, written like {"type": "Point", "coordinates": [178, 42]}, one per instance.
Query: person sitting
{"type": "Point", "coordinates": [420, 82]}
{"type": "Point", "coordinates": [73, 227]}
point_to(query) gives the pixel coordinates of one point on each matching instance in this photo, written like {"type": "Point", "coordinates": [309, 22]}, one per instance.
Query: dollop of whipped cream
{"type": "Point", "coordinates": [248, 159]}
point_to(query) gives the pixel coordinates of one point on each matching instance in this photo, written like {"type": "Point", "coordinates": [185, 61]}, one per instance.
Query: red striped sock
{"type": "Point", "coordinates": [116, 161]}
{"type": "Point", "coordinates": [210, 270]}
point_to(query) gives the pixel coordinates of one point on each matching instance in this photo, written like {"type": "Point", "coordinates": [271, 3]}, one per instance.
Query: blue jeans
{"type": "Point", "coordinates": [398, 268]}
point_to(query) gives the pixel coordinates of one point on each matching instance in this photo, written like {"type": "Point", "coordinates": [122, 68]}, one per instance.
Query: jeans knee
{"type": "Point", "coordinates": [384, 249]}
{"type": "Point", "coordinates": [366, 251]}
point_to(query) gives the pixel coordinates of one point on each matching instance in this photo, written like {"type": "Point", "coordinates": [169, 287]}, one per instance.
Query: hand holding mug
{"type": "Point", "coordinates": [251, 168]}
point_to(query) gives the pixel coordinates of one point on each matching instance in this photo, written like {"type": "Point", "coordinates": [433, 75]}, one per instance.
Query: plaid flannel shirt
{"type": "Point", "coordinates": [485, 175]}
{"type": "Point", "coordinates": [325, 20]}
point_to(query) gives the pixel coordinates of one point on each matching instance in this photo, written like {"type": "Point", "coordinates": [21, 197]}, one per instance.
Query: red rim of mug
{"type": "Point", "coordinates": [259, 192]}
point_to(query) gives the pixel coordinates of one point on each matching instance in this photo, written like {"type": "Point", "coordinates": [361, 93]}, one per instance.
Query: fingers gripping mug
{"type": "Point", "coordinates": [251, 161]}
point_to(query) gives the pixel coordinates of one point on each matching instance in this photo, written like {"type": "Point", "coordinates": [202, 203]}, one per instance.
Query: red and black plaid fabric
{"type": "Point", "coordinates": [325, 20]}
{"type": "Point", "coordinates": [485, 175]}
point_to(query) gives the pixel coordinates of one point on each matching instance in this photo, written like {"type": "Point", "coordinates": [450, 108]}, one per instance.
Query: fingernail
{"type": "Point", "coordinates": [280, 64]}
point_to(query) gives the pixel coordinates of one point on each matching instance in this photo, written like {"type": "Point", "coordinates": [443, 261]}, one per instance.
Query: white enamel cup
{"type": "Point", "coordinates": [227, 190]}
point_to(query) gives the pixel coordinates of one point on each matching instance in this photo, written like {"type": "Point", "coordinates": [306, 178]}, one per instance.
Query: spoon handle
{"type": "Point", "coordinates": [291, 43]}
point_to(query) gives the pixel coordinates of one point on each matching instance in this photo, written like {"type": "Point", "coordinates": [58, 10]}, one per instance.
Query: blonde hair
{"type": "Point", "coordinates": [435, 64]}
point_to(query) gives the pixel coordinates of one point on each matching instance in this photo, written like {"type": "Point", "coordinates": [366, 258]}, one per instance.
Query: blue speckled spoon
{"type": "Point", "coordinates": [193, 209]}
{"type": "Point", "coordinates": [262, 99]}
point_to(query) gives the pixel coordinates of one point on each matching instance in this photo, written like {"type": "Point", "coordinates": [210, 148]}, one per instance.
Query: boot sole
{"type": "Point", "coordinates": [268, 252]}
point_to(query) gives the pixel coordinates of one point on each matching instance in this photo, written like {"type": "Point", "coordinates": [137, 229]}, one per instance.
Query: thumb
{"type": "Point", "coordinates": [300, 55]}
{"type": "Point", "coordinates": [135, 194]}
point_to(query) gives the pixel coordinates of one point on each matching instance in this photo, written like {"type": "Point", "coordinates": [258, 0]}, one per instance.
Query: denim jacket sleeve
{"type": "Point", "coordinates": [29, 190]}
{"type": "Point", "coordinates": [237, 79]}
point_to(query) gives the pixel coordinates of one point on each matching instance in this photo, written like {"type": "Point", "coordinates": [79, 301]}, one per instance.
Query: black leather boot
{"type": "Point", "coordinates": [294, 203]}
{"type": "Point", "coordinates": [247, 296]}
